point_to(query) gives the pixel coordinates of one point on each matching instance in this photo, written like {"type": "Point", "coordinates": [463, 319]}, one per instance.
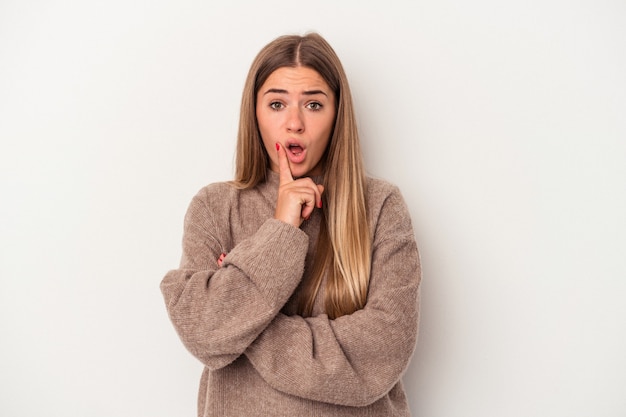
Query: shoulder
{"type": "Point", "coordinates": [212, 199]}
{"type": "Point", "coordinates": [217, 191]}
{"type": "Point", "coordinates": [380, 192]}
{"type": "Point", "coordinates": [387, 209]}
{"type": "Point", "coordinates": [378, 187]}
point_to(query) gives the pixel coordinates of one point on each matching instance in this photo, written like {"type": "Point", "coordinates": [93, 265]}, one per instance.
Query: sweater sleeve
{"type": "Point", "coordinates": [355, 359]}
{"type": "Point", "coordinates": [218, 312]}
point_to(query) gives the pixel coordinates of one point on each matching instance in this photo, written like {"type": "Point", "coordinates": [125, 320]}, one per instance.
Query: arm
{"type": "Point", "coordinates": [218, 312]}
{"type": "Point", "coordinates": [355, 359]}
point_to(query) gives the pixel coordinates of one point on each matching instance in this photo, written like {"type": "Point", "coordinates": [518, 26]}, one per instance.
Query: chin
{"type": "Point", "coordinates": [298, 173]}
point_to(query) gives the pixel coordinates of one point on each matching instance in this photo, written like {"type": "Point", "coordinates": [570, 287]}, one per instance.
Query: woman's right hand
{"type": "Point", "coordinates": [296, 198]}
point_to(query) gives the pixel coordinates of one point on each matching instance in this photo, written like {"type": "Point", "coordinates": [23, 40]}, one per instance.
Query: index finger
{"type": "Point", "coordinates": [283, 165]}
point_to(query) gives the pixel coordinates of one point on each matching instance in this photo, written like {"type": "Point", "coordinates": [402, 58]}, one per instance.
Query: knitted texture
{"type": "Point", "coordinates": [240, 321]}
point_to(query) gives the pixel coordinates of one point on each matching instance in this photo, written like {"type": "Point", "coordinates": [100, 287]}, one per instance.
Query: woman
{"type": "Point", "coordinates": [299, 281]}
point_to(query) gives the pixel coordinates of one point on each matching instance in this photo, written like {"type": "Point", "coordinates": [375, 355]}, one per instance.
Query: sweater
{"type": "Point", "coordinates": [262, 359]}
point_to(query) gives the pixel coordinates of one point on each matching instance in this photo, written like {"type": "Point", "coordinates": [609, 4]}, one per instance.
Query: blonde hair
{"type": "Point", "coordinates": [344, 243]}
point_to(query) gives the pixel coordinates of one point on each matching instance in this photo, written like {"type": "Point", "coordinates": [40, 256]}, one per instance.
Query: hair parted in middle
{"type": "Point", "coordinates": [344, 244]}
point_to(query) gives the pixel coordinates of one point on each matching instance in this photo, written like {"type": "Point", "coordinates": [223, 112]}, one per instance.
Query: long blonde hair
{"type": "Point", "coordinates": [344, 244]}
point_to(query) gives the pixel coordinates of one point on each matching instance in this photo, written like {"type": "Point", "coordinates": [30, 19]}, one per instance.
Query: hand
{"type": "Point", "coordinates": [296, 198]}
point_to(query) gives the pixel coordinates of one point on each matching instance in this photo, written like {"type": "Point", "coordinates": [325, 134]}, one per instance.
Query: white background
{"type": "Point", "coordinates": [503, 123]}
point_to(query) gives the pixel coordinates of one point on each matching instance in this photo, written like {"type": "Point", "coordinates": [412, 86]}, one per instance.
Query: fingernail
{"type": "Point", "coordinates": [277, 146]}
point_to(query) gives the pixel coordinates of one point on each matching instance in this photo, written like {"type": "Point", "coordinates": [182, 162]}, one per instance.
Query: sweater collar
{"type": "Point", "coordinates": [273, 178]}
{"type": "Point", "coordinates": [269, 188]}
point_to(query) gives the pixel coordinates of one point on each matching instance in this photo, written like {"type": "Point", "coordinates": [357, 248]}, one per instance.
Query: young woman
{"type": "Point", "coordinates": [298, 287]}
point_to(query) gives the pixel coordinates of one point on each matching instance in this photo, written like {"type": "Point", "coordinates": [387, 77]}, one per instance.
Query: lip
{"type": "Point", "coordinates": [296, 152]}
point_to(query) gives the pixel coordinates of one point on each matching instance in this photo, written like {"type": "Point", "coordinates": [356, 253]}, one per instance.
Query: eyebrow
{"type": "Point", "coordinates": [306, 93]}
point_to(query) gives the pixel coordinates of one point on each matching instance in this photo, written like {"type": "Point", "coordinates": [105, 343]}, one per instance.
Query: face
{"type": "Point", "coordinates": [296, 108]}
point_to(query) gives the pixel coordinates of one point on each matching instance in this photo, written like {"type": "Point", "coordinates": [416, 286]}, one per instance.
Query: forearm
{"type": "Point", "coordinates": [218, 312]}
{"type": "Point", "coordinates": [355, 359]}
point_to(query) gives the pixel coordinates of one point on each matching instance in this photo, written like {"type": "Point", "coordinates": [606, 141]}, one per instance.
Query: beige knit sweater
{"type": "Point", "coordinates": [260, 358]}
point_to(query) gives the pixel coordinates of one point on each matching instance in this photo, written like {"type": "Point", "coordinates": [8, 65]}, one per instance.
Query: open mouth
{"type": "Point", "coordinates": [295, 149]}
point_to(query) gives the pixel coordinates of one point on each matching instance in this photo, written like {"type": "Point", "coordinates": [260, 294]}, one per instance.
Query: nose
{"type": "Point", "coordinates": [295, 121]}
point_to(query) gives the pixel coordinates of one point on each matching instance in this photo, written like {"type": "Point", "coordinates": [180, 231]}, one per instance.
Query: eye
{"type": "Point", "coordinates": [315, 106]}
{"type": "Point", "coordinates": [276, 105]}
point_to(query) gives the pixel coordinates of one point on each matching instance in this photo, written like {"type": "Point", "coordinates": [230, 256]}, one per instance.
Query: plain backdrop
{"type": "Point", "coordinates": [502, 122]}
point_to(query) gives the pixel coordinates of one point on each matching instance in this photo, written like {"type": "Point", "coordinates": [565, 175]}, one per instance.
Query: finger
{"type": "Point", "coordinates": [320, 190]}
{"type": "Point", "coordinates": [220, 260]}
{"type": "Point", "coordinates": [308, 205]}
{"type": "Point", "coordinates": [311, 198]}
{"type": "Point", "coordinates": [283, 165]}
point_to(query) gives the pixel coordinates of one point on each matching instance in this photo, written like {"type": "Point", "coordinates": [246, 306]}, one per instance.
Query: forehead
{"type": "Point", "coordinates": [295, 79]}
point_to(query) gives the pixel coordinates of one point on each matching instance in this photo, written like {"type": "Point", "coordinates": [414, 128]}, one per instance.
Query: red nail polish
{"type": "Point", "coordinates": [277, 146]}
